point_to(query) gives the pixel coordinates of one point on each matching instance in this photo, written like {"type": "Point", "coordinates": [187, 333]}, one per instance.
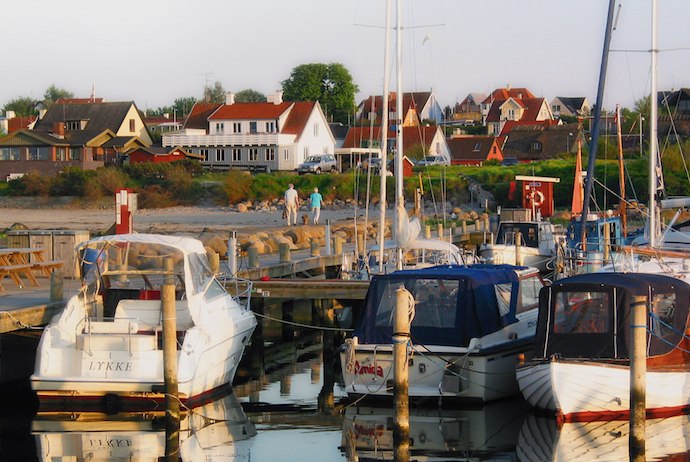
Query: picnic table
{"type": "Point", "coordinates": [19, 265]}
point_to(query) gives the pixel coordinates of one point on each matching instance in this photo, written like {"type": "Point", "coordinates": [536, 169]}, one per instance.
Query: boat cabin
{"type": "Point", "coordinates": [453, 304]}
{"type": "Point", "coordinates": [595, 238]}
{"type": "Point", "coordinates": [535, 234]}
{"type": "Point", "coordinates": [589, 315]}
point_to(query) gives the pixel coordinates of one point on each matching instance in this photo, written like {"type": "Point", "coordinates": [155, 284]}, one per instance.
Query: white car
{"type": "Point", "coordinates": [433, 160]}
{"type": "Point", "coordinates": [318, 164]}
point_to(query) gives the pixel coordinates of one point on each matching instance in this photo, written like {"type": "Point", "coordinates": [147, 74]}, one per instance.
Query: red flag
{"type": "Point", "coordinates": [578, 186]}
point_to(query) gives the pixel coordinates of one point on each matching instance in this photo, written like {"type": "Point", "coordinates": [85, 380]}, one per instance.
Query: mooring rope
{"type": "Point", "coordinates": [306, 326]}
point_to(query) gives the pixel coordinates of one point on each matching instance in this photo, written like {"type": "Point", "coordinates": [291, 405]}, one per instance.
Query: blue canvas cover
{"type": "Point", "coordinates": [453, 304]}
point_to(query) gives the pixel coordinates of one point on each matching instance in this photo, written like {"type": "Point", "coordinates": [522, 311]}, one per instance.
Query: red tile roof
{"type": "Point", "coordinates": [198, 116]}
{"type": "Point", "coordinates": [298, 117]}
{"type": "Point", "coordinates": [17, 123]}
{"type": "Point", "coordinates": [538, 125]}
{"type": "Point", "coordinates": [78, 100]}
{"type": "Point", "coordinates": [254, 111]}
{"type": "Point", "coordinates": [505, 93]}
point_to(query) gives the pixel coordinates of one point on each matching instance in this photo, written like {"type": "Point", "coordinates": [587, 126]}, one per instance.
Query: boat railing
{"type": "Point", "coordinates": [90, 325]}
{"type": "Point", "coordinates": [240, 289]}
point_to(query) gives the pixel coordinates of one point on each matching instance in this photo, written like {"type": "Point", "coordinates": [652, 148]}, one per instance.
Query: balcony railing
{"type": "Point", "coordinates": [238, 139]}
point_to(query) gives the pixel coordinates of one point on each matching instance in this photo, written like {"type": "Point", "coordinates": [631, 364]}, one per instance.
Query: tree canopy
{"type": "Point", "coordinates": [329, 84]}
{"type": "Point", "coordinates": [215, 94]}
{"type": "Point", "coordinates": [54, 93]}
{"type": "Point", "coordinates": [249, 96]}
{"type": "Point", "coordinates": [22, 106]}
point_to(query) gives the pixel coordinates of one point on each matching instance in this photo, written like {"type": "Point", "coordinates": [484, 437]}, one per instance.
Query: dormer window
{"type": "Point", "coordinates": [536, 146]}
{"type": "Point", "coordinates": [477, 147]}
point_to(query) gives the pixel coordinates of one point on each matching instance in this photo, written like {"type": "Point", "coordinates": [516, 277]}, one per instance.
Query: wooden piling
{"type": "Point", "coordinates": [214, 261]}
{"type": "Point", "coordinates": [172, 402]}
{"type": "Point", "coordinates": [427, 231]}
{"type": "Point", "coordinates": [337, 245]}
{"type": "Point", "coordinates": [463, 224]}
{"type": "Point", "coordinates": [607, 242]}
{"type": "Point", "coordinates": [253, 257]}
{"type": "Point", "coordinates": [518, 248]}
{"type": "Point", "coordinates": [638, 372]}
{"type": "Point", "coordinates": [284, 252]}
{"type": "Point", "coordinates": [401, 405]}
{"type": "Point", "coordinates": [439, 227]}
{"type": "Point", "coordinates": [56, 286]}
{"type": "Point", "coordinates": [314, 249]}
{"type": "Point", "coordinates": [329, 250]}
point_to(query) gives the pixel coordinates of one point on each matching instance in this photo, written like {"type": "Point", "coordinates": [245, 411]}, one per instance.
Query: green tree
{"type": "Point", "coordinates": [183, 106]}
{"type": "Point", "coordinates": [250, 96]}
{"type": "Point", "coordinates": [54, 93]}
{"type": "Point", "coordinates": [22, 106]}
{"type": "Point", "coordinates": [329, 84]}
{"type": "Point", "coordinates": [215, 94]}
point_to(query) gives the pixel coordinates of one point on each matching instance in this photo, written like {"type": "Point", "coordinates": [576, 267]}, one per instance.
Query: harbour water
{"type": "Point", "coordinates": [287, 405]}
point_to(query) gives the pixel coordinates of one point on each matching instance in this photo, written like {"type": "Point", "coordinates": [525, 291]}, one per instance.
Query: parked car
{"type": "Point", "coordinates": [433, 160]}
{"type": "Point", "coordinates": [509, 161]}
{"type": "Point", "coordinates": [318, 164]}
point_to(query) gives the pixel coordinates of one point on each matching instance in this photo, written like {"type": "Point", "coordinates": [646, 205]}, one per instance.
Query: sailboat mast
{"type": "Point", "coordinates": [384, 137]}
{"type": "Point", "coordinates": [597, 118]}
{"type": "Point", "coordinates": [398, 132]}
{"type": "Point", "coordinates": [653, 129]}
{"type": "Point", "coordinates": [622, 206]}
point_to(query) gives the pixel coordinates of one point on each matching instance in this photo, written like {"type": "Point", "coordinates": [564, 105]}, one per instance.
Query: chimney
{"type": "Point", "coordinates": [10, 115]}
{"type": "Point", "coordinates": [276, 98]}
{"type": "Point", "coordinates": [508, 86]}
{"type": "Point", "coordinates": [59, 129]}
{"type": "Point", "coordinates": [229, 98]}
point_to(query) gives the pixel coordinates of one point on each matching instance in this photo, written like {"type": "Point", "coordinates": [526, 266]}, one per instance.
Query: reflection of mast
{"type": "Point", "coordinates": [622, 206]}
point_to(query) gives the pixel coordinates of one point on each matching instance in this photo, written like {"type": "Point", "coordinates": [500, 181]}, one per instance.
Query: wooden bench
{"type": "Point", "coordinates": [47, 267]}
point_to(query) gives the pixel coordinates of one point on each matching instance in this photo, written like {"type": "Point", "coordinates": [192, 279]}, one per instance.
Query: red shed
{"type": "Point", "coordinates": [158, 154]}
{"type": "Point", "coordinates": [537, 194]}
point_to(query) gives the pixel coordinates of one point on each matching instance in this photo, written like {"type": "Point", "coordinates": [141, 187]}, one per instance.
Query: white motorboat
{"type": "Point", "coordinates": [107, 342]}
{"type": "Point", "coordinates": [469, 326]}
{"type": "Point", "coordinates": [579, 369]}
{"type": "Point", "coordinates": [538, 245]}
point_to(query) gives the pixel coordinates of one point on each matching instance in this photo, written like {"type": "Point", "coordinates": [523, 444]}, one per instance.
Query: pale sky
{"type": "Point", "coordinates": [154, 51]}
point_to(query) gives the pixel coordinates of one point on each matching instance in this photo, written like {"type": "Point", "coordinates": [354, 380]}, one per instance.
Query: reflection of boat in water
{"type": "Point", "coordinates": [580, 367]}
{"type": "Point", "coordinates": [216, 431]}
{"type": "Point", "coordinates": [107, 342]}
{"type": "Point", "coordinates": [541, 440]}
{"type": "Point", "coordinates": [436, 434]}
{"type": "Point", "coordinates": [468, 327]}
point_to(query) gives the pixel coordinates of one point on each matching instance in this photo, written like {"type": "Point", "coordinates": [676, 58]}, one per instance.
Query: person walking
{"type": "Point", "coordinates": [315, 202]}
{"type": "Point", "coordinates": [291, 204]}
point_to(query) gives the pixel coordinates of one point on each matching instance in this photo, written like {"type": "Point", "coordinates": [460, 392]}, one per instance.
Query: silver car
{"type": "Point", "coordinates": [318, 164]}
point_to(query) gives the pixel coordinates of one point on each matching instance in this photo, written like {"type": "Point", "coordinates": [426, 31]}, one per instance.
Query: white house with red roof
{"type": "Point", "coordinates": [275, 135]}
{"type": "Point", "coordinates": [514, 104]}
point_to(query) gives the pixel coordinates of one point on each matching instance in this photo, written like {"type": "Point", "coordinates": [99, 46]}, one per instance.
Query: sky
{"type": "Point", "coordinates": [154, 51]}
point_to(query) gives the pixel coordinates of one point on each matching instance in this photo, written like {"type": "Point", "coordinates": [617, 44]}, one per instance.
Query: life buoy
{"type": "Point", "coordinates": [537, 198]}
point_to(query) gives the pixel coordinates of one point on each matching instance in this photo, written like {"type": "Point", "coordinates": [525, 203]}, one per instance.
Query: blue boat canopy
{"type": "Point", "coordinates": [453, 304]}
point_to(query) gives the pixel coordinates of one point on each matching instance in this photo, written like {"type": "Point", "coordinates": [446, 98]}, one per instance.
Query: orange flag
{"type": "Point", "coordinates": [578, 186]}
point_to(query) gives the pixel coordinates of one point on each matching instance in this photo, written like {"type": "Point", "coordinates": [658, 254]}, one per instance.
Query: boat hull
{"type": "Point", "coordinates": [498, 254]}
{"type": "Point", "coordinates": [436, 372]}
{"type": "Point", "coordinates": [586, 390]}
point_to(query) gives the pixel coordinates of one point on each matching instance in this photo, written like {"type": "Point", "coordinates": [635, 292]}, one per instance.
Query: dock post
{"type": "Point", "coordinates": [57, 282]}
{"type": "Point", "coordinates": [214, 261]}
{"type": "Point", "coordinates": [427, 232]}
{"type": "Point", "coordinates": [638, 372]}
{"type": "Point", "coordinates": [463, 224]}
{"type": "Point", "coordinates": [253, 256]}
{"type": "Point", "coordinates": [328, 238]}
{"type": "Point", "coordinates": [518, 248]}
{"type": "Point", "coordinates": [439, 227]}
{"type": "Point", "coordinates": [453, 229]}
{"type": "Point", "coordinates": [360, 243]}
{"type": "Point", "coordinates": [401, 404]}
{"type": "Point", "coordinates": [232, 253]}
{"type": "Point", "coordinates": [284, 252]}
{"type": "Point", "coordinates": [172, 402]}
{"type": "Point", "coordinates": [314, 247]}
{"type": "Point", "coordinates": [607, 242]}
{"type": "Point", "coordinates": [338, 245]}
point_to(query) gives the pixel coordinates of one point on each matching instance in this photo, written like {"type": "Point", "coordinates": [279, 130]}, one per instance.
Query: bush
{"type": "Point", "coordinates": [70, 182]}
{"type": "Point", "coordinates": [31, 184]}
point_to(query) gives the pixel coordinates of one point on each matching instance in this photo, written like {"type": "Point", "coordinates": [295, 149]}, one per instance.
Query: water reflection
{"type": "Point", "coordinates": [485, 433]}
{"type": "Point", "coordinates": [541, 440]}
{"type": "Point", "coordinates": [216, 431]}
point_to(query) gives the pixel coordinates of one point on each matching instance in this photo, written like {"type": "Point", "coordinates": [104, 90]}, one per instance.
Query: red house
{"type": "Point", "coordinates": [159, 154]}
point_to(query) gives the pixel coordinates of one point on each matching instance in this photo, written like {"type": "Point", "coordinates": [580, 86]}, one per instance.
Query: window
{"type": "Point", "coordinates": [220, 155]}
{"type": "Point", "coordinates": [132, 125]}
{"type": "Point", "coordinates": [252, 127]}
{"type": "Point", "coordinates": [61, 154]}
{"type": "Point", "coordinates": [11, 153]}
{"type": "Point", "coordinates": [494, 150]}
{"type": "Point", "coordinates": [529, 293]}
{"type": "Point", "coordinates": [253, 154]}
{"type": "Point", "coordinates": [236, 127]}
{"type": "Point", "coordinates": [511, 114]}
{"type": "Point", "coordinates": [316, 129]}
{"type": "Point", "coordinates": [270, 154]}
{"type": "Point", "coordinates": [581, 312]}
{"type": "Point", "coordinates": [220, 128]}
{"type": "Point", "coordinates": [536, 146]}
{"type": "Point", "coordinates": [286, 154]}
{"type": "Point", "coordinates": [663, 313]}
{"type": "Point", "coordinates": [204, 152]}
{"type": "Point", "coordinates": [477, 147]}
{"type": "Point", "coordinates": [236, 155]}
{"type": "Point", "coordinates": [74, 153]}
{"type": "Point", "coordinates": [73, 125]}
{"type": "Point", "coordinates": [270, 127]}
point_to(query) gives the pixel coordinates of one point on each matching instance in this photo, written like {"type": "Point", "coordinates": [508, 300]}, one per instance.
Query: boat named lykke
{"type": "Point", "coordinates": [107, 342]}
{"type": "Point", "coordinates": [469, 325]}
